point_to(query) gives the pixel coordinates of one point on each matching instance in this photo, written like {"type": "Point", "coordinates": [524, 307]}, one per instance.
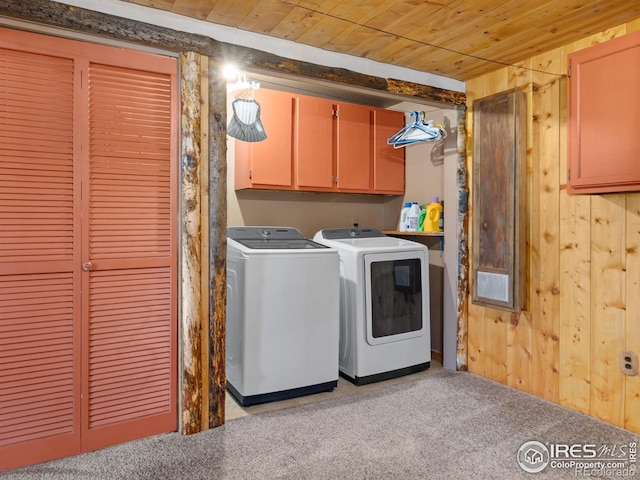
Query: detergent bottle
{"type": "Point", "coordinates": [402, 225]}
{"type": "Point", "coordinates": [432, 218]}
{"type": "Point", "coordinates": [423, 214]}
{"type": "Point", "coordinates": [412, 217]}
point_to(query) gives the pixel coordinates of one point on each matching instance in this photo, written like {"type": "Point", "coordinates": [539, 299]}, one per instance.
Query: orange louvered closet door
{"type": "Point", "coordinates": [129, 248]}
{"type": "Point", "coordinates": [88, 247]}
{"type": "Point", "coordinates": [39, 253]}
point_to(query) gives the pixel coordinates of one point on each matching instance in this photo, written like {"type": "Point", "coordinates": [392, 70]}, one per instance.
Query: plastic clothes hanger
{"type": "Point", "coordinates": [416, 131]}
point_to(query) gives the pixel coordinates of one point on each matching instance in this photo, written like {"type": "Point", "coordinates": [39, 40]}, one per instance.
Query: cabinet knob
{"type": "Point", "coordinates": [87, 266]}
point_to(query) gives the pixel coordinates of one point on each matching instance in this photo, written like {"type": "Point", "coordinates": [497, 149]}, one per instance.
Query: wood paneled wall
{"type": "Point", "coordinates": [583, 265]}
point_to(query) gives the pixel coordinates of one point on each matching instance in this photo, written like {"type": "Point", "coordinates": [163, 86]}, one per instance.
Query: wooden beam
{"type": "Point", "coordinates": [217, 247]}
{"type": "Point", "coordinates": [416, 90]}
{"type": "Point", "coordinates": [101, 24]}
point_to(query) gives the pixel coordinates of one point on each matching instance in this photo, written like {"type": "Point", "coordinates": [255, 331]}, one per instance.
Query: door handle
{"type": "Point", "coordinates": [87, 266]}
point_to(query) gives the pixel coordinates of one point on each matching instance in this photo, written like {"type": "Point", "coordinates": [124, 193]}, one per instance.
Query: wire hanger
{"type": "Point", "coordinates": [416, 131]}
{"type": "Point", "coordinates": [243, 83]}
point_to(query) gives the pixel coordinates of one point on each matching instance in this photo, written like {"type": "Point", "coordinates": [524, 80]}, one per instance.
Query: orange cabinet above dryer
{"type": "Point", "coordinates": [354, 147]}
{"type": "Point", "coordinates": [388, 162]}
{"type": "Point", "coordinates": [333, 144]}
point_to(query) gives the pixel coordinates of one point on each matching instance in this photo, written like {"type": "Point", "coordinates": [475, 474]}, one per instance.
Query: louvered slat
{"type": "Point", "coordinates": [36, 157]}
{"type": "Point", "coordinates": [129, 347]}
{"type": "Point", "coordinates": [130, 146]}
{"type": "Point", "coordinates": [36, 357]}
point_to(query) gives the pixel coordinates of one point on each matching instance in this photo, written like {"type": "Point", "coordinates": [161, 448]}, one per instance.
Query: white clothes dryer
{"type": "Point", "coordinates": [384, 304]}
{"type": "Point", "coordinates": [282, 315]}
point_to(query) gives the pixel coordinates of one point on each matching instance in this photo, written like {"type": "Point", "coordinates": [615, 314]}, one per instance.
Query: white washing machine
{"type": "Point", "coordinates": [282, 315]}
{"type": "Point", "coordinates": [384, 304]}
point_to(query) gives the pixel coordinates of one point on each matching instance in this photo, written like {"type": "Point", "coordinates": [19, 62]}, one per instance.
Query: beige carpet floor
{"type": "Point", "coordinates": [447, 425]}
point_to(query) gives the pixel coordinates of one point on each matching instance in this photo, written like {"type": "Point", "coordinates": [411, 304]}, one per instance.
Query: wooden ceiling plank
{"type": "Point", "coordinates": [295, 23]}
{"type": "Point", "coordinates": [394, 12]}
{"type": "Point", "coordinates": [353, 35]}
{"type": "Point", "coordinates": [356, 10]}
{"type": "Point", "coordinates": [159, 4]}
{"type": "Point", "coordinates": [372, 42]}
{"type": "Point", "coordinates": [411, 23]}
{"type": "Point", "coordinates": [323, 31]}
{"type": "Point", "coordinates": [360, 39]}
{"type": "Point", "coordinates": [265, 16]}
{"type": "Point", "coordinates": [400, 48]}
{"type": "Point", "coordinates": [319, 6]}
{"type": "Point", "coordinates": [230, 12]}
{"type": "Point", "coordinates": [199, 9]}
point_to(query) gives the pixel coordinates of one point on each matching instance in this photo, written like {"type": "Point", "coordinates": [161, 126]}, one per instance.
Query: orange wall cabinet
{"type": "Point", "coordinates": [388, 162]}
{"type": "Point", "coordinates": [353, 147]}
{"type": "Point", "coordinates": [314, 143]}
{"type": "Point", "coordinates": [604, 112]}
{"type": "Point", "coordinates": [317, 144]}
{"type": "Point", "coordinates": [268, 164]}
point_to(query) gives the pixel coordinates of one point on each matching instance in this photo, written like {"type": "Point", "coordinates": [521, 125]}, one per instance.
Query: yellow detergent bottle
{"type": "Point", "coordinates": [432, 218]}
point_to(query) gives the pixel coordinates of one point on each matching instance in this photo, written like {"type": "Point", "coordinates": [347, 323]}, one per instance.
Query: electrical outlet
{"type": "Point", "coordinates": [629, 362]}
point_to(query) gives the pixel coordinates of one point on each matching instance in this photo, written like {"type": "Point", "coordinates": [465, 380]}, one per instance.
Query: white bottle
{"type": "Point", "coordinates": [413, 216]}
{"type": "Point", "coordinates": [402, 225]}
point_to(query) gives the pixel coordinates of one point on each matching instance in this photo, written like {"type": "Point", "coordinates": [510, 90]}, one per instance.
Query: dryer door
{"type": "Point", "coordinates": [396, 296]}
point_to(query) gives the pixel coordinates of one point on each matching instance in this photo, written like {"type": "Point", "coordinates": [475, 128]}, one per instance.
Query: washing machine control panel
{"type": "Point", "coordinates": [338, 233]}
{"type": "Point", "coordinates": [257, 233]}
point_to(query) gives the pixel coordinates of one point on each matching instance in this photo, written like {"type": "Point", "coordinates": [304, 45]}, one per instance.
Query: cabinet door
{"type": "Point", "coordinates": [388, 162]}
{"type": "Point", "coordinates": [603, 117]}
{"type": "Point", "coordinates": [314, 144]}
{"type": "Point", "coordinates": [354, 147]}
{"type": "Point", "coordinates": [268, 164]}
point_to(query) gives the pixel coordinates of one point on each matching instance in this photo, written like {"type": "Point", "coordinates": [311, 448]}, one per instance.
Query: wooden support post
{"type": "Point", "coordinates": [191, 361]}
{"type": "Point", "coordinates": [217, 244]}
{"type": "Point", "coordinates": [462, 239]}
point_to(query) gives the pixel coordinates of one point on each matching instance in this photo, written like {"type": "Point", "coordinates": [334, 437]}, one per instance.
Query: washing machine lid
{"type": "Point", "coordinates": [272, 238]}
{"type": "Point", "coordinates": [364, 239]}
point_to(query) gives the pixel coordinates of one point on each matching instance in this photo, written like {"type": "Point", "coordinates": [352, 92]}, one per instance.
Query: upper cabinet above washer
{"type": "Point", "coordinates": [316, 144]}
{"type": "Point", "coordinates": [268, 164]}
